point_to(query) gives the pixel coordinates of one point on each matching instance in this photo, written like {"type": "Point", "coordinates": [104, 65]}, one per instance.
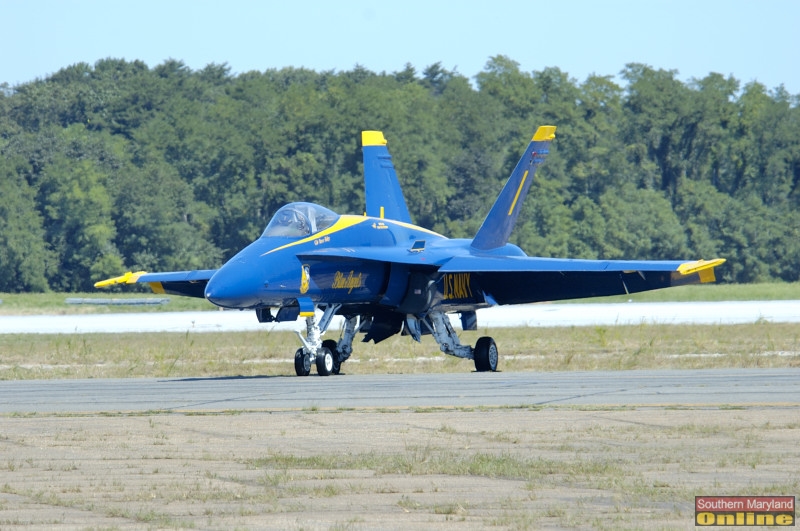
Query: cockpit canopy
{"type": "Point", "coordinates": [297, 220]}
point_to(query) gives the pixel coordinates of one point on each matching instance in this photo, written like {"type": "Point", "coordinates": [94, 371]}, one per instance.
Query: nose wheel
{"type": "Point", "coordinates": [302, 363]}
{"type": "Point", "coordinates": [336, 364]}
{"type": "Point", "coordinates": [325, 362]}
{"type": "Point", "coordinates": [327, 355]}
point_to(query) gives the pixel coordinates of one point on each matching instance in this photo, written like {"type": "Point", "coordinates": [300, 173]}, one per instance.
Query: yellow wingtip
{"type": "Point", "coordinates": [544, 133]}
{"type": "Point", "coordinates": [372, 138]}
{"type": "Point", "coordinates": [128, 278]}
{"type": "Point", "coordinates": [704, 268]}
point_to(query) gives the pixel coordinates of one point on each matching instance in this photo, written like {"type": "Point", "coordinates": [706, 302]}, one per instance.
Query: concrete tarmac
{"type": "Point", "coordinates": [661, 388]}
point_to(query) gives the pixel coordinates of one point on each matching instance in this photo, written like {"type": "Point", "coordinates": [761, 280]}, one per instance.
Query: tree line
{"type": "Point", "coordinates": [118, 166]}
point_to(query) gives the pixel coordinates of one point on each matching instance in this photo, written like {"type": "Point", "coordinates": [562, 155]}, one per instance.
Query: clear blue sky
{"type": "Point", "coordinates": [751, 40]}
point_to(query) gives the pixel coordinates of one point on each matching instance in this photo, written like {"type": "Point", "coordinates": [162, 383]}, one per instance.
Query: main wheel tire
{"type": "Point", "coordinates": [331, 345]}
{"type": "Point", "coordinates": [302, 363]}
{"type": "Point", "coordinates": [324, 362]}
{"type": "Point", "coordinates": [485, 355]}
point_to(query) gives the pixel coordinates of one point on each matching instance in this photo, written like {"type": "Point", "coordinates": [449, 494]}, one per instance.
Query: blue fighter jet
{"type": "Point", "coordinates": [384, 275]}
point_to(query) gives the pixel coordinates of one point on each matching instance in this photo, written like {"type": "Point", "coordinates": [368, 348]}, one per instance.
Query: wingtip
{"type": "Point", "coordinates": [703, 268]}
{"type": "Point", "coordinates": [128, 278]}
{"type": "Point", "coordinates": [688, 268]}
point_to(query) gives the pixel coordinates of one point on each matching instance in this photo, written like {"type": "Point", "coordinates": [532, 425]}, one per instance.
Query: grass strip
{"type": "Point", "coordinates": [644, 346]}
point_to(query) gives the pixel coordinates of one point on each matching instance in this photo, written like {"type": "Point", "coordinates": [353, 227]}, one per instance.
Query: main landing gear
{"type": "Point", "coordinates": [327, 355]}
{"type": "Point", "coordinates": [484, 354]}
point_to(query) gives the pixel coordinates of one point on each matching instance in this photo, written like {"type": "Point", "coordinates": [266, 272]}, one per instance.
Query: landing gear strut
{"type": "Point", "coordinates": [327, 355]}
{"type": "Point", "coordinates": [484, 354]}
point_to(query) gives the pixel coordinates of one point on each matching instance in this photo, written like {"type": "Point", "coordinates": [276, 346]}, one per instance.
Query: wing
{"type": "Point", "coordinates": [519, 280]}
{"type": "Point", "coordinates": [382, 188]}
{"type": "Point", "coordinates": [185, 283]}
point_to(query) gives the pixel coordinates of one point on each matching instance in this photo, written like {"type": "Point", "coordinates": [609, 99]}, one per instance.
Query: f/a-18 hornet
{"type": "Point", "coordinates": [384, 275]}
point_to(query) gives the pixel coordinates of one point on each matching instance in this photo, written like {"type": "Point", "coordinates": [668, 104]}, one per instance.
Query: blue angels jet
{"type": "Point", "coordinates": [384, 275]}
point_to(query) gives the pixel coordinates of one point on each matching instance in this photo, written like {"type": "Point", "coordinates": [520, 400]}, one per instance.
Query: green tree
{"type": "Point", "coordinates": [597, 160]}
{"type": "Point", "coordinates": [658, 114]}
{"type": "Point", "coordinates": [766, 153]}
{"type": "Point", "coordinates": [169, 168]}
{"type": "Point", "coordinates": [757, 241]}
{"type": "Point", "coordinates": [160, 225]}
{"type": "Point", "coordinates": [77, 216]}
{"type": "Point", "coordinates": [24, 257]}
{"type": "Point", "coordinates": [656, 233]}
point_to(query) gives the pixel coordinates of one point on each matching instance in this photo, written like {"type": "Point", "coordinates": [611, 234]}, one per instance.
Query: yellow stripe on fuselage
{"type": "Point", "coordinates": [345, 222]}
{"type": "Point", "coordinates": [413, 227]}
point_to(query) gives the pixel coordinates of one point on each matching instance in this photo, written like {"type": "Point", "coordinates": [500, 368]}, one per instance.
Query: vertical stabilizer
{"type": "Point", "coordinates": [497, 227]}
{"type": "Point", "coordinates": [382, 189]}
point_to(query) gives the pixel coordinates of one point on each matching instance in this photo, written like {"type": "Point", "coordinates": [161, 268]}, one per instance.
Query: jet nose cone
{"type": "Point", "coordinates": [230, 290]}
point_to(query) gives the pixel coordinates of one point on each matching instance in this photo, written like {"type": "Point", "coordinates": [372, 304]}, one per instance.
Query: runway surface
{"type": "Point", "coordinates": [502, 316]}
{"type": "Point", "coordinates": [668, 388]}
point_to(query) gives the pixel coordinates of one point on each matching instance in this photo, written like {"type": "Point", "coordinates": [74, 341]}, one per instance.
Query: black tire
{"type": "Point", "coordinates": [324, 362]}
{"type": "Point", "coordinates": [485, 355]}
{"type": "Point", "coordinates": [302, 363]}
{"type": "Point", "coordinates": [330, 344]}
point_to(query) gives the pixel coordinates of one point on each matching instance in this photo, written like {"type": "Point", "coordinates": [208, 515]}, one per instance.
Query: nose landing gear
{"type": "Point", "coordinates": [327, 355]}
